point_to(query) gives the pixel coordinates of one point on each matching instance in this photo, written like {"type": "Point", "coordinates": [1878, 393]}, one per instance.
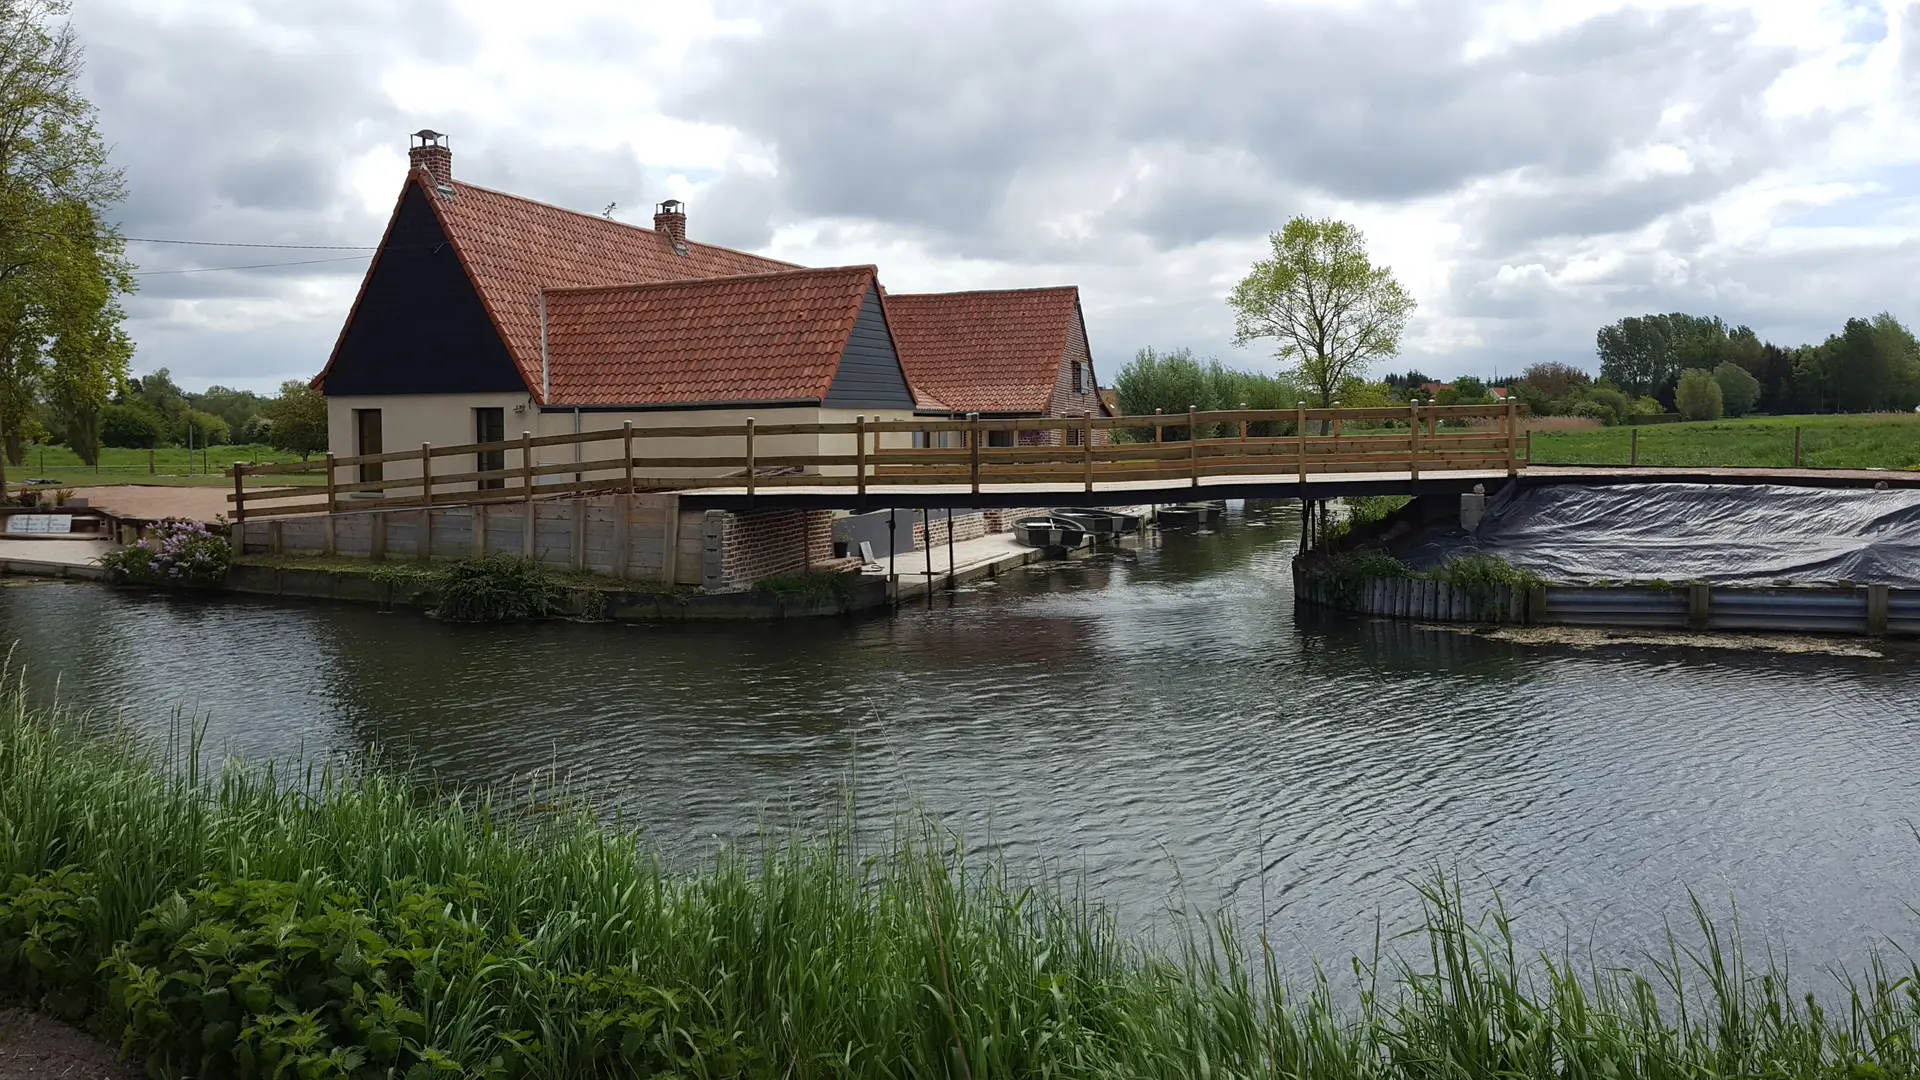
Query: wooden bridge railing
{"type": "Point", "coordinates": [1279, 443]}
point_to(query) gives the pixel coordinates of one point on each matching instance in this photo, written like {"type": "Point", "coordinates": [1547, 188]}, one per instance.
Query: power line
{"type": "Point", "coordinates": [250, 266]}
{"type": "Point", "coordinates": [223, 243]}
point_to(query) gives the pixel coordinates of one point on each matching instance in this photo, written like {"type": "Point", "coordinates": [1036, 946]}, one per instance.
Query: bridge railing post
{"type": "Point", "coordinates": [973, 443]}
{"type": "Point", "coordinates": [1413, 445]}
{"type": "Point", "coordinates": [1193, 443]}
{"type": "Point", "coordinates": [1300, 442]}
{"type": "Point", "coordinates": [1513, 437]}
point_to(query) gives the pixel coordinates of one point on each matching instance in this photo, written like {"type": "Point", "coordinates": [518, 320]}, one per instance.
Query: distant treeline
{"type": "Point", "coordinates": [1871, 365]}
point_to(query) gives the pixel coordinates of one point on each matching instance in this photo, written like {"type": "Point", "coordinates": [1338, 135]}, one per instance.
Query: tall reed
{"type": "Point", "coordinates": [347, 923]}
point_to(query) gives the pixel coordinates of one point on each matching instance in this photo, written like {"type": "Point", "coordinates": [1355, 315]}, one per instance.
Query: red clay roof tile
{"type": "Point", "coordinates": [996, 351]}
{"type": "Point", "coordinates": [757, 338]}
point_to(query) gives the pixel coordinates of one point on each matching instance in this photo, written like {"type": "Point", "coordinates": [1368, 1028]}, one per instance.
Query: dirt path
{"type": "Point", "coordinates": [154, 502]}
{"type": "Point", "coordinates": [33, 1047]}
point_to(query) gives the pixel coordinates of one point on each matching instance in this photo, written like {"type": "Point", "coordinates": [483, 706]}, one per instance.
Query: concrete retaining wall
{"type": "Point", "coordinates": [627, 537]}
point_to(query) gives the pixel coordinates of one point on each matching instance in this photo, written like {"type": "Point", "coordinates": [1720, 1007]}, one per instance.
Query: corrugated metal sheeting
{"type": "Point", "coordinates": [1834, 610]}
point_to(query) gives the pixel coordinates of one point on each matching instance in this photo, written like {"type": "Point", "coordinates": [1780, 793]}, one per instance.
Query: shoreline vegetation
{"type": "Point", "coordinates": [1863, 441]}
{"type": "Point", "coordinates": [351, 924]}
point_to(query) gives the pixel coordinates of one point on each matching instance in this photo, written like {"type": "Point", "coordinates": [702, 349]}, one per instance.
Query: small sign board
{"type": "Point", "coordinates": [39, 524]}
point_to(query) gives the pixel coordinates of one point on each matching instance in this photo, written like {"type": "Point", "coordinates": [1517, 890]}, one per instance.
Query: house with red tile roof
{"type": "Point", "coordinates": [484, 315]}
{"type": "Point", "coordinates": [1003, 353]}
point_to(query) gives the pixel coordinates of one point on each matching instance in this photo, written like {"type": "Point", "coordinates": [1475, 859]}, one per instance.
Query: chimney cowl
{"type": "Point", "coordinates": [429, 151]}
{"type": "Point", "coordinates": [670, 220]}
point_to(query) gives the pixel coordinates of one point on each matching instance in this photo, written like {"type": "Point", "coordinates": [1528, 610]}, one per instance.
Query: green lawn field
{"type": "Point", "coordinates": [1867, 441]}
{"type": "Point", "coordinates": [168, 465]}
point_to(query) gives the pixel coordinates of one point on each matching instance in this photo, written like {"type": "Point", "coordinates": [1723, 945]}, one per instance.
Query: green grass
{"type": "Point", "coordinates": [1870, 441]}
{"type": "Point", "coordinates": [348, 924]}
{"type": "Point", "coordinates": [170, 466]}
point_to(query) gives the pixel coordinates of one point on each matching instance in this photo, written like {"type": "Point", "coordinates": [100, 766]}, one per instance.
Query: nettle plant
{"type": "Point", "coordinates": [180, 554]}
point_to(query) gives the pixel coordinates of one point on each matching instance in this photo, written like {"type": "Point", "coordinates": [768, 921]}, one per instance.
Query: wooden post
{"type": "Point", "coordinates": [239, 492]}
{"type": "Point", "coordinates": [1633, 452]}
{"type": "Point", "coordinates": [326, 523]}
{"type": "Point", "coordinates": [477, 518]}
{"type": "Point", "coordinates": [1336, 425]}
{"type": "Point", "coordinates": [1086, 448]}
{"type": "Point", "coordinates": [579, 533]}
{"type": "Point", "coordinates": [1193, 443]}
{"type": "Point", "coordinates": [670, 541]}
{"type": "Point", "coordinates": [377, 541]}
{"type": "Point", "coordinates": [1796, 446]}
{"type": "Point", "coordinates": [425, 538]}
{"type": "Point", "coordinates": [749, 461]}
{"type": "Point", "coordinates": [526, 494]}
{"type": "Point", "coordinates": [1699, 605]}
{"type": "Point", "coordinates": [1529, 448]}
{"type": "Point", "coordinates": [1413, 446]}
{"type": "Point", "coordinates": [150, 468]}
{"type": "Point", "coordinates": [1300, 443]}
{"type": "Point", "coordinates": [860, 458]}
{"type": "Point", "coordinates": [626, 433]}
{"type": "Point", "coordinates": [973, 441]}
{"type": "Point", "coordinates": [1513, 439]}
{"type": "Point", "coordinates": [1156, 434]}
{"type": "Point", "coordinates": [1877, 597]}
{"type": "Point", "coordinates": [622, 530]}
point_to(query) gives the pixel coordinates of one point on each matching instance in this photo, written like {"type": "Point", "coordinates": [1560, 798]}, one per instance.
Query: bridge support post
{"type": "Point", "coordinates": [1413, 445]}
{"type": "Point", "coordinates": [1513, 437]}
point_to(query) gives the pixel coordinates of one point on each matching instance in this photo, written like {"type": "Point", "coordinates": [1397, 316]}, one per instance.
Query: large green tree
{"type": "Point", "coordinates": [299, 418]}
{"type": "Point", "coordinates": [62, 267]}
{"type": "Point", "coordinates": [1330, 312]}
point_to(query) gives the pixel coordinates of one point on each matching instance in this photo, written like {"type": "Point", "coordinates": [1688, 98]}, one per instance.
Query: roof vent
{"type": "Point", "coordinates": [429, 151]}
{"type": "Point", "coordinates": [670, 221]}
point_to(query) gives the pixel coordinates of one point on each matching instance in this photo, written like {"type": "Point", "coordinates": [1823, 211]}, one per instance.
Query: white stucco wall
{"type": "Point", "coordinates": [409, 420]}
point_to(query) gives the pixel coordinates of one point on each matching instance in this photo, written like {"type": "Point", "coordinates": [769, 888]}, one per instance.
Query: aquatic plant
{"type": "Point", "coordinates": [1478, 575]}
{"type": "Point", "coordinates": [818, 586]}
{"type": "Point", "coordinates": [348, 924]}
{"type": "Point", "coordinates": [495, 588]}
{"type": "Point", "coordinates": [175, 554]}
{"type": "Point", "coordinates": [1349, 571]}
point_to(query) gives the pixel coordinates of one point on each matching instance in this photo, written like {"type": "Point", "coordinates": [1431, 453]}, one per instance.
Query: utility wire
{"type": "Point", "coordinates": [223, 243]}
{"type": "Point", "coordinates": [250, 266]}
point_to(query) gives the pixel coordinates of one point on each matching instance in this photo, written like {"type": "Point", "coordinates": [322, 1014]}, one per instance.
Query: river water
{"type": "Point", "coordinates": [1161, 722]}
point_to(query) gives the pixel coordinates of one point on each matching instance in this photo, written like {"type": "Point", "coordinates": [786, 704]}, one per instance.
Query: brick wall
{"type": "Point", "coordinates": [761, 544]}
{"type": "Point", "coordinates": [1086, 401]}
{"type": "Point", "coordinates": [965, 527]}
{"type": "Point", "coordinates": [999, 521]}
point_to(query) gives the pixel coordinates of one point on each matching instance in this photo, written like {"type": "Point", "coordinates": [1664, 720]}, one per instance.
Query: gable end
{"type": "Point", "coordinates": [419, 326]}
{"type": "Point", "coordinates": [870, 376]}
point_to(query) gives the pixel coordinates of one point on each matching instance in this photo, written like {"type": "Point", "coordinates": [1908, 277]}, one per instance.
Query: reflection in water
{"type": "Point", "coordinates": [1151, 717]}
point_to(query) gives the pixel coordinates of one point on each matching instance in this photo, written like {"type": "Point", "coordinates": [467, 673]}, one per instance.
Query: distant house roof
{"type": "Point", "coordinates": [512, 247]}
{"type": "Point", "coordinates": [996, 351]}
{"type": "Point", "coordinates": [758, 338]}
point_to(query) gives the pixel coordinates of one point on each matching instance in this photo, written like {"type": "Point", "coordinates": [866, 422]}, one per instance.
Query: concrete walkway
{"type": "Point", "coordinates": [986, 556]}
{"type": "Point", "coordinates": [54, 558]}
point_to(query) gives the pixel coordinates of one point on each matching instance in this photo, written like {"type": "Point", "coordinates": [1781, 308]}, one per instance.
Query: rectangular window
{"type": "Point", "coordinates": [366, 441]}
{"type": "Point", "coordinates": [490, 426]}
{"type": "Point", "coordinates": [1079, 383]}
{"type": "Point", "coordinates": [999, 438]}
{"type": "Point", "coordinates": [1073, 436]}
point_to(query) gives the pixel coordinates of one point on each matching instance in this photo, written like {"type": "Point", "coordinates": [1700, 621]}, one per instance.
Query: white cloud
{"type": "Point", "coordinates": [1530, 168]}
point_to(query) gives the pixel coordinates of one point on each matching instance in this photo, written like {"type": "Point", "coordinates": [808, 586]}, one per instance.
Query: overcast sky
{"type": "Point", "coordinates": [1530, 170]}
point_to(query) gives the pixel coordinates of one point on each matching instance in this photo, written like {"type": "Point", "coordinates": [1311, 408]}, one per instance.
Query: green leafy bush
{"type": "Point", "coordinates": [176, 554]}
{"type": "Point", "coordinates": [496, 588]}
{"type": "Point", "coordinates": [1479, 575]}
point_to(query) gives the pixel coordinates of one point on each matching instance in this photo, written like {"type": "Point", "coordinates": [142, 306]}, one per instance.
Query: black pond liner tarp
{"type": "Point", "coordinates": [1753, 535]}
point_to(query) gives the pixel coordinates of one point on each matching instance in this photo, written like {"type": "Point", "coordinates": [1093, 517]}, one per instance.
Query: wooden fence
{"type": "Point", "coordinates": [1275, 443]}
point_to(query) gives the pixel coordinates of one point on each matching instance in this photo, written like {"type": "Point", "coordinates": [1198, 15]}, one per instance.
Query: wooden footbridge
{"type": "Point", "coordinates": [956, 463]}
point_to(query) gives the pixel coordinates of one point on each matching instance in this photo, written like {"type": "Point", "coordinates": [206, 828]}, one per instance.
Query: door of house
{"type": "Point", "coordinates": [366, 439]}
{"type": "Point", "coordinates": [490, 426]}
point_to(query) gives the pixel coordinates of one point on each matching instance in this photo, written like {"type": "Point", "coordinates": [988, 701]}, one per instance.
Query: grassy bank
{"type": "Point", "coordinates": [331, 925]}
{"type": "Point", "coordinates": [1870, 441]}
{"type": "Point", "coordinates": [165, 465]}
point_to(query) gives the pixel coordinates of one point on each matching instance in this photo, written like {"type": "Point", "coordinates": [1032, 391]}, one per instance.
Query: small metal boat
{"type": "Point", "coordinates": [1049, 532]}
{"type": "Point", "coordinates": [1100, 524]}
{"type": "Point", "coordinates": [1200, 513]}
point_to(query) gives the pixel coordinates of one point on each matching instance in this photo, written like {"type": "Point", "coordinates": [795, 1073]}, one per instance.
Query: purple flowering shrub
{"type": "Point", "coordinates": [182, 554]}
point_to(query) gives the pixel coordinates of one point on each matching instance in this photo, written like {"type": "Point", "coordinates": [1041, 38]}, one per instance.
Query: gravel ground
{"type": "Point", "coordinates": [34, 1047]}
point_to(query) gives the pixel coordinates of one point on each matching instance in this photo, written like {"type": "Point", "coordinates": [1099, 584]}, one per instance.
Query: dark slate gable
{"type": "Point", "coordinates": [870, 376]}
{"type": "Point", "coordinates": [419, 327]}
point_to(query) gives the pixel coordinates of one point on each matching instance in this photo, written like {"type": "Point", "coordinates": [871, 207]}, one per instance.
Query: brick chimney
{"type": "Point", "coordinates": [431, 152]}
{"type": "Point", "coordinates": [670, 220]}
